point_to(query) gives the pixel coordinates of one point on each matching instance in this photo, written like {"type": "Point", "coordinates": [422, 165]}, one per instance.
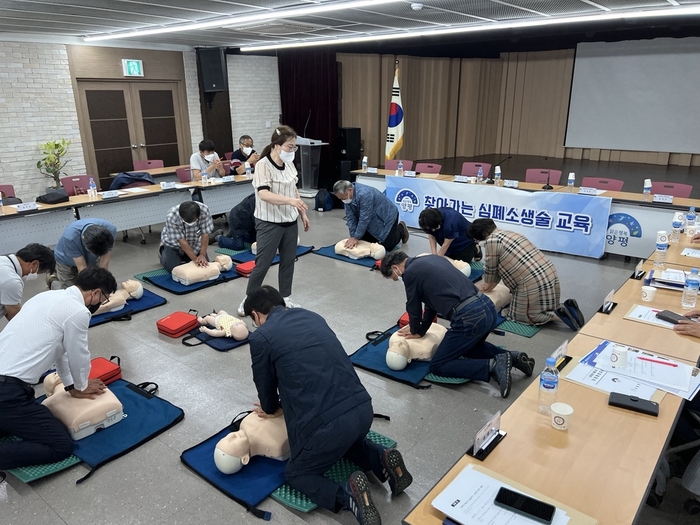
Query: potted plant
{"type": "Point", "coordinates": [52, 164]}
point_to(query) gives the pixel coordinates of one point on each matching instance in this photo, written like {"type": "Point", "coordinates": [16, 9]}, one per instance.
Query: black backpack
{"type": "Point", "coordinates": [323, 201]}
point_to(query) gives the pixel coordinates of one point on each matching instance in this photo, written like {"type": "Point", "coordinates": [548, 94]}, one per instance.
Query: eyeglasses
{"type": "Point", "coordinates": [246, 145]}
{"type": "Point", "coordinates": [291, 149]}
{"type": "Point", "coordinates": [102, 294]}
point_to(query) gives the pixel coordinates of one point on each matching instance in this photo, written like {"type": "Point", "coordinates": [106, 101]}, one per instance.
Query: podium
{"type": "Point", "coordinates": [309, 157]}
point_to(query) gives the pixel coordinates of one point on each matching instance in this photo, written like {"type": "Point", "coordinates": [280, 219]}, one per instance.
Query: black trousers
{"type": "Point", "coordinates": [44, 440]}
{"type": "Point", "coordinates": [344, 437]}
{"type": "Point", "coordinates": [467, 255]}
{"type": "Point", "coordinates": [391, 241]}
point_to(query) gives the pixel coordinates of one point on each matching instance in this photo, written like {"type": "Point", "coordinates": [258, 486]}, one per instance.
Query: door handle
{"type": "Point", "coordinates": [134, 146]}
{"type": "Point", "coordinates": [142, 145]}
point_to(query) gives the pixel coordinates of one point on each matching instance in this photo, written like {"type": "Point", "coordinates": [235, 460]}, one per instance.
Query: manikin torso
{"type": "Point", "coordinates": [190, 273]}
{"type": "Point", "coordinates": [224, 325]}
{"type": "Point", "coordinates": [131, 289]}
{"type": "Point", "coordinates": [256, 437]}
{"type": "Point", "coordinates": [363, 249]}
{"type": "Point", "coordinates": [402, 351]}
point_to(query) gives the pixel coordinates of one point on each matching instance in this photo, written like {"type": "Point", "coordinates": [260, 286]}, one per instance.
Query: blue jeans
{"type": "Point", "coordinates": [466, 337]}
{"type": "Point", "coordinates": [234, 243]}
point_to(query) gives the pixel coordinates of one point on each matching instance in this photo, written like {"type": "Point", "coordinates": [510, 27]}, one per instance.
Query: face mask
{"type": "Point", "coordinates": [30, 276]}
{"type": "Point", "coordinates": [247, 151]}
{"type": "Point", "coordinates": [210, 158]}
{"type": "Point", "coordinates": [347, 201]}
{"type": "Point", "coordinates": [287, 156]}
{"type": "Point", "coordinates": [189, 223]}
{"type": "Point", "coordinates": [397, 275]}
{"type": "Point", "coordinates": [93, 308]}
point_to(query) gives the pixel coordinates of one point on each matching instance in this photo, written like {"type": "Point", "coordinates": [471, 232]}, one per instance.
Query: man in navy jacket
{"type": "Point", "coordinates": [300, 367]}
{"type": "Point", "coordinates": [370, 215]}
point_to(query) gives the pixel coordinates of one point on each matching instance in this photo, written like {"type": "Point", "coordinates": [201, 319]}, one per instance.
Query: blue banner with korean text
{"type": "Point", "coordinates": [557, 222]}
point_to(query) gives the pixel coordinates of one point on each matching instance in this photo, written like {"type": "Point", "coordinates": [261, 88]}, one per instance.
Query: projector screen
{"type": "Point", "coordinates": [637, 95]}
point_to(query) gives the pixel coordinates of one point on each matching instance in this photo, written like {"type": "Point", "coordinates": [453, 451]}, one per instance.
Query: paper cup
{"type": "Point", "coordinates": [561, 415]}
{"type": "Point", "coordinates": [648, 293]}
{"type": "Point", "coordinates": [618, 357]}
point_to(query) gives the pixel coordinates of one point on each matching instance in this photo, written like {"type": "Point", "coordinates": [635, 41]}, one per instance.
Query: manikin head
{"type": "Point", "coordinates": [397, 357]}
{"type": "Point", "coordinates": [377, 251]}
{"type": "Point", "coordinates": [133, 288]}
{"type": "Point", "coordinates": [225, 262]}
{"type": "Point", "coordinates": [232, 452]}
{"type": "Point", "coordinates": [51, 383]}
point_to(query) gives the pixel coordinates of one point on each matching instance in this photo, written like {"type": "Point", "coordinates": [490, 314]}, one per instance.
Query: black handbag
{"type": "Point", "coordinates": [53, 197]}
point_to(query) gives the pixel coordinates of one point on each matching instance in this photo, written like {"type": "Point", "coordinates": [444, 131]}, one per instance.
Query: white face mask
{"type": "Point", "coordinates": [210, 158]}
{"type": "Point", "coordinates": [347, 201]}
{"type": "Point", "coordinates": [189, 223]}
{"type": "Point", "coordinates": [30, 276]}
{"type": "Point", "coordinates": [247, 151]}
{"type": "Point", "coordinates": [287, 156]}
{"type": "Point", "coordinates": [397, 275]}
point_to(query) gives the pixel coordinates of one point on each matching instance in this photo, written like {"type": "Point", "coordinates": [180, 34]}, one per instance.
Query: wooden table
{"type": "Point", "coordinates": [674, 257]}
{"type": "Point", "coordinates": [638, 198]}
{"type": "Point", "coordinates": [165, 174]}
{"type": "Point", "coordinates": [602, 466]}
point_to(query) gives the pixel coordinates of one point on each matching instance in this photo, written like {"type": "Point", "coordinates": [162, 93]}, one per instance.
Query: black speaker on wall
{"type": "Point", "coordinates": [346, 166]}
{"type": "Point", "coordinates": [350, 144]}
{"type": "Point", "coordinates": [212, 63]}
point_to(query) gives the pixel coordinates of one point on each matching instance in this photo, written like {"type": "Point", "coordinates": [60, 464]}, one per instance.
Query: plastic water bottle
{"type": "Point", "coordinates": [400, 168]}
{"type": "Point", "coordinates": [570, 182]}
{"type": "Point", "coordinates": [690, 222]}
{"type": "Point", "coordinates": [497, 176]}
{"type": "Point", "coordinates": [676, 226]}
{"type": "Point", "coordinates": [661, 249]}
{"type": "Point", "coordinates": [364, 164]}
{"type": "Point", "coordinates": [248, 171]}
{"type": "Point", "coordinates": [480, 176]}
{"type": "Point", "coordinates": [2, 209]}
{"type": "Point", "coordinates": [205, 177]}
{"type": "Point", "coordinates": [92, 189]}
{"type": "Point", "coordinates": [549, 386]}
{"type": "Point", "coordinates": [647, 190]}
{"type": "Point", "coordinates": [690, 290]}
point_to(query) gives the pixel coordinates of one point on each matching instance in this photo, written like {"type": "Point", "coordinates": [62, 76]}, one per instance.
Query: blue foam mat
{"type": "Point", "coordinates": [248, 256]}
{"type": "Point", "coordinates": [148, 300]}
{"type": "Point", "coordinates": [248, 487]}
{"type": "Point", "coordinates": [372, 357]}
{"type": "Point", "coordinates": [329, 251]}
{"type": "Point", "coordinates": [222, 344]}
{"type": "Point", "coordinates": [166, 282]}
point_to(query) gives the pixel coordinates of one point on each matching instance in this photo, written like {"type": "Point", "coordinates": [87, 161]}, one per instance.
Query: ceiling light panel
{"type": "Point", "coordinates": [633, 4]}
{"type": "Point", "coordinates": [427, 14]}
{"type": "Point", "coordinates": [482, 8]}
{"type": "Point", "coordinates": [357, 16]}
{"type": "Point", "coordinates": [558, 8]}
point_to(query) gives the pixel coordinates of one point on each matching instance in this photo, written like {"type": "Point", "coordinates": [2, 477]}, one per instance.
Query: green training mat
{"type": "Point", "coordinates": [226, 251]}
{"type": "Point", "coordinates": [141, 276]}
{"type": "Point", "coordinates": [477, 265]}
{"type": "Point", "coordinates": [340, 472]}
{"type": "Point", "coordinates": [446, 380]}
{"type": "Point", "coordinates": [34, 472]}
{"type": "Point", "coordinates": [514, 327]}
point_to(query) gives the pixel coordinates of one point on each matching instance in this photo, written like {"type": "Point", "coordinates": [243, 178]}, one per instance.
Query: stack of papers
{"type": "Point", "coordinates": [691, 252]}
{"type": "Point", "coordinates": [670, 279]}
{"type": "Point", "coordinates": [645, 314]}
{"type": "Point", "coordinates": [646, 369]}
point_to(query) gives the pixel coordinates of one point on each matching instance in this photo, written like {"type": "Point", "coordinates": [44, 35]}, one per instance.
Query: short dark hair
{"type": "Point", "coordinates": [98, 239]}
{"type": "Point", "coordinates": [94, 277]}
{"type": "Point", "coordinates": [244, 138]}
{"type": "Point", "coordinates": [38, 252]}
{"type": "Point", "coordinates": [263, 300]}
{"type": "Point", "coordinates": [189, 211]}
{"type": "Point", "coordinates": [481, 228]}
{"type": "Point", "coordinates": [429, 219]}
{"type": "Point", "coordinates": [390, 259]}
{"type": "Point", "coordinates": [206, 145]}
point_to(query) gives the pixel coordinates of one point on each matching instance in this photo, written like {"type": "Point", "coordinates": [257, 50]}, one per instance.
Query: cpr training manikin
{"type": "Point", "coordinates": [225, 325]}
{"type": "Point", "coordinates": [131, 289]}
{"type": "Point", "coordinates": [363, 249]}
{"type": "Point", "coordinates": [190, 273]}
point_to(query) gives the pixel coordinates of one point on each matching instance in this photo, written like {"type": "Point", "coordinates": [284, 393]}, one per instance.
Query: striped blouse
{"type": "Point", "coordinates": [279, 180]}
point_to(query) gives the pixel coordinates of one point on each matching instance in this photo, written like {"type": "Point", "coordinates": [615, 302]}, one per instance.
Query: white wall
{"type": "Point", "coordinates": [36, 105]}
{"type": "Point", "coordinates": [254, 89]}
{"type": "Point", "coordinates": [193, 104]}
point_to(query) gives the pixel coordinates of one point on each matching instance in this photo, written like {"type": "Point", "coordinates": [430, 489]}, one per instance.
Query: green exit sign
{"type": "Point", "coordinates": [132, 68]}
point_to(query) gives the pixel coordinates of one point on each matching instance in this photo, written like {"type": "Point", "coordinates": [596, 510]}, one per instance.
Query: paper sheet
{"type": "Point", "coordinates": [135, 190]}
{"type": "Point", "coordinates": [645, 314]}
{"type": "Point", "coordinates": [181, 186]}
{"type": "Point", "coordinates": [119, 192]}
{"type": "Point", "coordinates": [469, 500]}
{"type": "Point", "coordinates": [691, 252]}
{"type": "Point", "coordinates": [609, 382]}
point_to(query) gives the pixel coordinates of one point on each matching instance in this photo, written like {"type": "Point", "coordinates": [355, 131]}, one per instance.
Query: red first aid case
{"type": "Point", "coordinates": [403, 320]}
{"type": "Point", "coordinates": [178, 324]}
{"type": "Point", "coordinates": [106, 369]}
{"type": "Point", "coordinates": [245, 268]}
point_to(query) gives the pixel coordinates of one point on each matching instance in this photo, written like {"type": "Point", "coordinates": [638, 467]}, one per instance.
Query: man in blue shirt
{"type": "Point", "coordinates": [448, 228]}
{"type": "Point", "coordinates": [370, 215]}
{"type": "Point", "coordinates": [84, 243]}
{"type": "Point", "coordinates": [300, 368]}
{"type": "Point", "coordinates": [434, 282]}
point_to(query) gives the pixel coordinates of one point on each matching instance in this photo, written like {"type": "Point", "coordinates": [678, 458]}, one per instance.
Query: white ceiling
{"type": "Point", "coordinates": [66, 18]}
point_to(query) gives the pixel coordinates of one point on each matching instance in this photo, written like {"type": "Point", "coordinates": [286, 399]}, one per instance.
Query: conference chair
{"type": "Point", "coordinates": [393, 164]}
{"type": "Point", "coordinates": [183, 174]}
{"type": "Point", "coordinates": [7, 190]}
{"type": "Point", "coordinates": [602, 183]}
{"type": "Point", "coordinates": [426, 167]}
{"type": "Point", "coordinates": [78, 184]}
{"type": "Point", "coordinates": [539, 176]}
{"type": "Point", "coordinates": [144, 165]}
{"type": "Point", "coordinates": [664, 188]}
{"type": "Point", "coordinates": [228, 155]}
{"type": "Point", "coordinates": [470, 169]}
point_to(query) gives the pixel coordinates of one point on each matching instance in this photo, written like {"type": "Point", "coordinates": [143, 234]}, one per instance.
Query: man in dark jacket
{"type": "Point", "coordinates": [242, 225]}
{"type": "Point", "coordinates": [300, 367]}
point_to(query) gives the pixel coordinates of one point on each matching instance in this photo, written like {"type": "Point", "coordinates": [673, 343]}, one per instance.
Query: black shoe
{"type": "Point", "coordinates": [523, 362]}
{"type": "Point", "coordinates": [575, 312]}
{"type": "Point", "coordinates": [405, 234]}
{"type": "Point", "coordinates": [395, 470]}
{"type": "Point", "coordinates": [501, 372]}
{"type": "Point", "coordinates": [358, 500]}
{"type": "Point", "coordinates": [564, 314]}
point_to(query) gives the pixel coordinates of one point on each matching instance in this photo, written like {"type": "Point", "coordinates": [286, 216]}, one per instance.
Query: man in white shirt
{"type": "Point", "coordinates": [206, 160]}
{"type": "Point", "coordinates": [51, 328]}
{"type": "Point", "coordinates": [25, 265]}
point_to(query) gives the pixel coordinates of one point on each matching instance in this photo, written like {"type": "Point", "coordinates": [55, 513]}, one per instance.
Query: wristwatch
{"type": "Point", "coordinates": [69, 388]}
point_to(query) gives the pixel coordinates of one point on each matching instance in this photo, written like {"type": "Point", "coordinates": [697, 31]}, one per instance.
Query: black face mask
{"type": "Point", "coordinates": [93, 308]}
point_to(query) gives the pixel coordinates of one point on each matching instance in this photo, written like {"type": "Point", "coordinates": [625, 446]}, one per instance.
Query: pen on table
{"type": "Point", "coordinates": [638, 274]}
{"type": "Point", "coordinates": [674, 365]}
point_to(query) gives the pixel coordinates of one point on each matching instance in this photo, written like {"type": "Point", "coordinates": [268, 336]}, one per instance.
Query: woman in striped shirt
{"type": "Point", "coordinates": [277, 208]}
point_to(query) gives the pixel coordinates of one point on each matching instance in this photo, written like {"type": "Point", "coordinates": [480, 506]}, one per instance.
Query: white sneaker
{"type": "Point", "coordinates": [241, 311]}
{"type": "Point", "coordinates": [290, 304]}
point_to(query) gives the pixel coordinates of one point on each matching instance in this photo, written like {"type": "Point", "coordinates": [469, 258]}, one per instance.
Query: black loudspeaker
{"type": "Point", "coordinates": [349, 144]}
{"type": "Point", "coordinates": [212, 64]}
{"type": "Point", "coordinates": [346, 166]}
